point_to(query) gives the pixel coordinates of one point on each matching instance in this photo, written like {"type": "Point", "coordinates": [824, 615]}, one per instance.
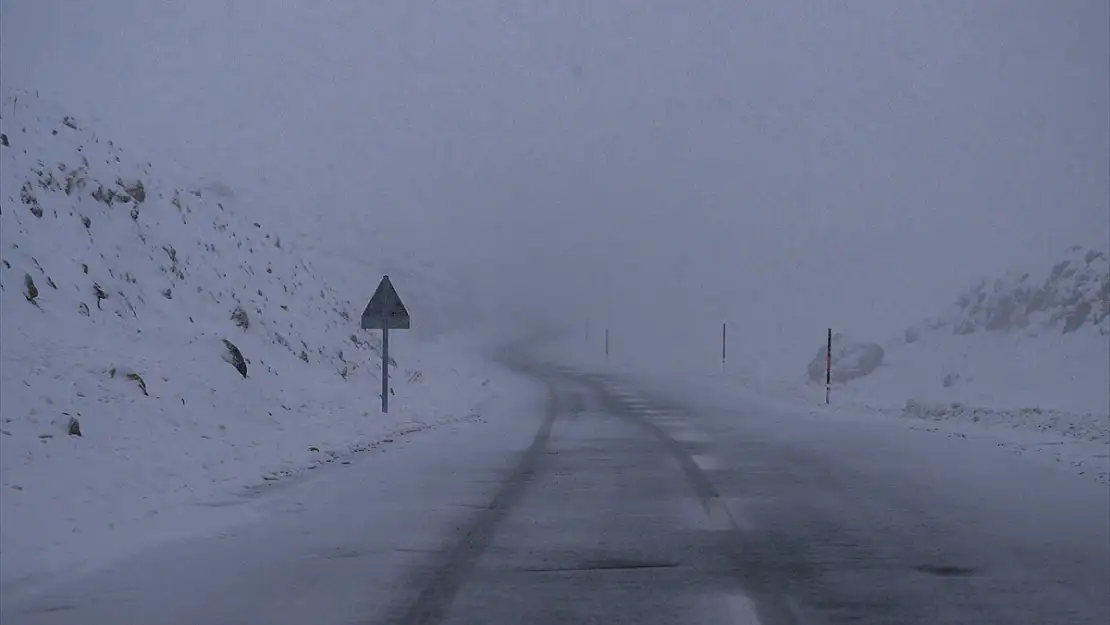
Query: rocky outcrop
{"type": "Point", "coordinates": [1074, 293]}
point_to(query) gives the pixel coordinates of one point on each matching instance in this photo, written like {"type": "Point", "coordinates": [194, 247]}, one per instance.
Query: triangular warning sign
{"type": "Point", "coordinates": [385, 310]}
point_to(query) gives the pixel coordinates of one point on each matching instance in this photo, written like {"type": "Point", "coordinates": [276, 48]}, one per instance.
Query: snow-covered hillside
{"type": "Point", "coordinates": [1025, 340]}
{"type": "Point", "coordinates": [1027, 351]}
{"type": "Point", "coordinates": [128, 297]}
{"type": "Point", "coordinates": [1071, 296]}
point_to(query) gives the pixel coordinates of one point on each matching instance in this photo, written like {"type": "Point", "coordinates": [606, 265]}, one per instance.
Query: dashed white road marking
{"type": "Point", "coordinates": [720, 518]}
{"type": "Point", "coordinates": [706, 462]}
{"type": "Point", "coordinates": [727, 515]}
{"type": "Point", "coordinates": [740, 518]}
{"type": "Point", "coordinates": [688, 435]}
{"type": "Point", "coordinates": [740, 610]}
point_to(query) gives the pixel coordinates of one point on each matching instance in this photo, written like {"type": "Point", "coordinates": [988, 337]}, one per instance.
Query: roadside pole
{"type": "Point", "coordinates": [828, 367]}
{"type": "Point", "coordinates": [724, 346]}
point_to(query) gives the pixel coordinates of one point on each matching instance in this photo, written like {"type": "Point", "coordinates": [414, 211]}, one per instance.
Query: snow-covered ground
{"type": "Point", "coordinates": [122, 287]}
{"type": "Point", "coordinates": [1023, 361]}
{"type": "Point", "coordinates": [121, 279]}
{"type": "Point", "coordinates": [1029, 351]}
{"type": "Point", "coordinates": [1044, 399]}
{"type": "Point", "coordinates": [1033, 339]}
{"type": "Point", "coordinates": [1056, 372]}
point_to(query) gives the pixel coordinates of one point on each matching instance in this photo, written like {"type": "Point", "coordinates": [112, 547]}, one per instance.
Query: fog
{"type": "Point", "coordinates": [656, 167]}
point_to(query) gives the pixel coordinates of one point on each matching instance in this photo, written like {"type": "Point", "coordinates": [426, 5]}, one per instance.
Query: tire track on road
{"type": "Point", "coordinates": [442, 583]}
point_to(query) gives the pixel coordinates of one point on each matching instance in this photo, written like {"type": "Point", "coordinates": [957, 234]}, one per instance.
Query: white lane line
{"type": "Point", "coordinates": [740, 518]}
{"type": "Point", "coordinates": [676, 420]}
{"type": "Point", "coordinates": [687, 435]}
{"type": "Point", "coordinates": [727, 514]}
{"type": "Point", "coordinates": [720, 518]}
{"type": "Point", "coordinates": [740, 610]}
{"type": "Point", "coordinates": [706, 462]}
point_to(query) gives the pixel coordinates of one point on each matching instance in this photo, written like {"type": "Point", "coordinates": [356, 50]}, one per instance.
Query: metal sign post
{"type": "Point", "coordinates": [724, 346]}
{"type": "Point", "coordinates": [828, 367]}
{"type": "Point", "coordinates": [385, 370]}
{"type": "Point", "coordinates": [385, 312]}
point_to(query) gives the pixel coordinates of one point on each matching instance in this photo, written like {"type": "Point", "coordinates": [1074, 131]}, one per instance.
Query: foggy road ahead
{"type": "Point", "coordinates": [611, 505]}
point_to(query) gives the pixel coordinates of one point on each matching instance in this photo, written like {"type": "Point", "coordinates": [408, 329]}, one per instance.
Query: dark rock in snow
{"type": "Point", "coordinates": [239, 316]}
{"type": "Point", "coordinates": [74, 428]}
{"type": "Point", "coordinates": [850, 360]}
{"type": "Point", "coordinates": [235, 357]}
{"type": "Point", "coordinates": [950, 379]}
{"type": "Point", "coordinates": [1077, 316]}
{"type": "Point", "coordinates": [138, 379]}
{"type": "Point", "coordinates": [135, 189]}
{"type": "Point", "coordinates": [32, 291]}
{"type": "Point", "coordinates": [964, 327]}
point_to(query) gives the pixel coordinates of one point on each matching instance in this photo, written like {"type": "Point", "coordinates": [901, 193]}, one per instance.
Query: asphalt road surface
{"type": "Point", "coordinates": [612, 504]}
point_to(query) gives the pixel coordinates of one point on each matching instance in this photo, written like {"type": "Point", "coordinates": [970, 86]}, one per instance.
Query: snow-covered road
{"type": "Point", "coordinates": [612, 503]}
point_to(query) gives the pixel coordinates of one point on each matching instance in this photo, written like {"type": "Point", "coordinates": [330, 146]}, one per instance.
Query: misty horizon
{"type": "Point", "coordinates": [660, 168]}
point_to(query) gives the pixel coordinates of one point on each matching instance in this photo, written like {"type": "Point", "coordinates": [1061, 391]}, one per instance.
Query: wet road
{"type": "Point", "coordinates": [615, 504]}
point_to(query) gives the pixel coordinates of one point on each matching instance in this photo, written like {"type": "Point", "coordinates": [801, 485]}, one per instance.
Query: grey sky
{"type": "Point", "coordinates": [784, 165]}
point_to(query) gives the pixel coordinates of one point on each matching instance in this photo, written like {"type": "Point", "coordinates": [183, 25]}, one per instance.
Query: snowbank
{"type": "Point", "coordinates": [120, 291]}
{"type": "Point", "coordinates": [1069, 373]}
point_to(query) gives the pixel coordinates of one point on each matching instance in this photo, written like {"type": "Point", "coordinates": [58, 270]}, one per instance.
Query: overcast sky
{"type": "Point", "coordinates": [648, 164]}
